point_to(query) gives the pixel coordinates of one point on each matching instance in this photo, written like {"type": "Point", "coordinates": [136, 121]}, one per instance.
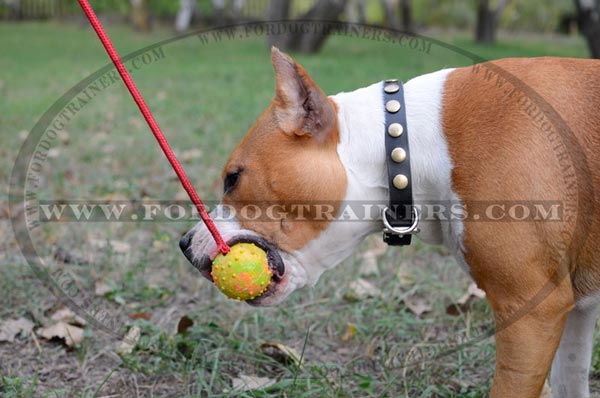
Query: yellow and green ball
{"type": "Point", "coordinates": [243, 273]}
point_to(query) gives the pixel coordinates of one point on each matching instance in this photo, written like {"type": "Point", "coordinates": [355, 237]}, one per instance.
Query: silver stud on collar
{"type": "Point", "coordinates": [391, 81]}
{"type": "Point", "coordinates": [398, 155]}
{"type": "Point", "coordinates": [400, 181]}
{"type": "Point", "coordinates": [391, 88]}
{"type": "Point", "coordinates": [395, 130]}
{"type": "Point", "coordinates": [392, 106]}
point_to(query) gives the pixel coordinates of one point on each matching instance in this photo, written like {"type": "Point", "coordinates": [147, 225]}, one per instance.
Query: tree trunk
{"type": "Point", "coordinates": [279, 10]}
{"type": "Point", "coordinates": [355, 11]}
{"type": "Point", "coordinates": [487, 21]}
{"type": "Point", "coordinates": [588, 20]}
{"type": "Point", "coordinates": [407, 21]}
{"type": "Point", "coordinates": [187, 10]}
{"type": "Point", "coordinates": [140, 17]}
{"type": "Point", "coordinates": [323, 10]}
{"type": "Point", "coordinates": [389, 16]}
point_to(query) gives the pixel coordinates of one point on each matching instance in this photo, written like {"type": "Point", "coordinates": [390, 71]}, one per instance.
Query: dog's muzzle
{"type": "Point", "coordinates": [204, 262]}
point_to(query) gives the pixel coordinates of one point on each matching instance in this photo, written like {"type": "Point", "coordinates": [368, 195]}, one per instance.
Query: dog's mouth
{"type": "Point", "coordinates": [276, 265]}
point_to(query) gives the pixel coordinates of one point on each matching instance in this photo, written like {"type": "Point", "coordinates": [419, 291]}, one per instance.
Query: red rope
{"type": "Point", "coordinates": [162, 141]}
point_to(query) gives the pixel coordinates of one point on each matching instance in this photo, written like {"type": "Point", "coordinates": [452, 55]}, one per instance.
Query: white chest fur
{"type": "Point", "coordinates": [361, 149]}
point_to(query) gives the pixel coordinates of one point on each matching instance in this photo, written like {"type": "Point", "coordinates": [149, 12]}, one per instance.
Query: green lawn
{"type": "Point", "coordinates": [205, 96]}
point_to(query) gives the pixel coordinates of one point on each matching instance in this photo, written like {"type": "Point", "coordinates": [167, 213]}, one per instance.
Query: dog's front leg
{"type": "Point", "coordinates": [528, 331]}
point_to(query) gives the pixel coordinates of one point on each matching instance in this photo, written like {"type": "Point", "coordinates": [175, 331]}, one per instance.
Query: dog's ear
{"type": "Point", "coordinates": [300, 106]}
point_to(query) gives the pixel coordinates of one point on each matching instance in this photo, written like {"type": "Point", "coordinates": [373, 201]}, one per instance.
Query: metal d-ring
{"type": "Point", "coordinates": [402, 230]}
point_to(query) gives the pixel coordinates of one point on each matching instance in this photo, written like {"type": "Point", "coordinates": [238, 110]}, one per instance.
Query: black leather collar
{"type": "Point", "coordinates": [400, 217]}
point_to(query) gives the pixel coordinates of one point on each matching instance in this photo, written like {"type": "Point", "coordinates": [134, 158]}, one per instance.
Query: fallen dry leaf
{"type": "Point", "coordinates": [405, 277]}
{"type": "Point", "coordinates": [11, 328]}
{"type": "Point", "coordinates": [65, 314]}
{"type": "Point", "coordinates": [130, 341]}
{"type": "Point", "coordinates": [116, 246]}
{"type": "Point", "coordinates": [472, 291]}
{"type": "Point", "coordinates": [417, 306]}
{"type": "Point", "coordinates": [64, 137]}
{"type": "Point", "coordinates": [161, 246]}
{"type": "Point", "coordinates": [350, 331]}
{"type": "Point", "coordinates": [249, 383]}
{"type": "Point", "coordinates": [102, 288]}
{"type": "Point", "coordinates": [462, 304]}
{"type": "Point", "coordinates": [368, 265]}
{"type": "Point", "coordinates": [191, 154]}
{"type": "Point", "coordinates": [71, 335]}
{"type": "Point", "coordinates": [53, 153]}
{"type": "Point", "coordinates": [376, 246]}
{"type": "Point", "coordinates": [361, 289]}
{"type": "Point", "coordinates": [184, 324]}
{"type": "Point", "coordinates": [281, 353]}
{"type": "Point", "coordinates": [140, 315]}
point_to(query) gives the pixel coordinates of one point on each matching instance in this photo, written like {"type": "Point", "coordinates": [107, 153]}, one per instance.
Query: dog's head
{"type": "Point", "coordinates": [284, 185]}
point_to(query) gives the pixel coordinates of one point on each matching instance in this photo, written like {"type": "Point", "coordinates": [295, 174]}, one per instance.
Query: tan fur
{"type": "Point", "coordinates": [532, 272]}
{"type": "Point", "coordinates": [289, 159]}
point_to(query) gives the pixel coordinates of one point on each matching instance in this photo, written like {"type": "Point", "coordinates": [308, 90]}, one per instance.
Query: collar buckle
{"type": "Point", "coordinates": [401, 231]}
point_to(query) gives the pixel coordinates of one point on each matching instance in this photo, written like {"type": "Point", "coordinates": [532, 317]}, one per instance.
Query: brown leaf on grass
{"type": "Point", "coordinates": [375, 246]}
{"type": "Point", "coordinates": [249, 383]}
{"type": "Point", "coordinates": [11, 328]}
{"type": "Point", "coordinates": [116, 246]}
{"type": "Point", "coordinates": [140, 315]}
{"type": "Point", "coordinates": [65, 314]}
{"type": "Point", "coordinates": [161, 246]}
{"type": "Point", "coordinates": [102, 288]}
{"type": "Point", "coordinates": [462, 304]}
{"type": "Point", "coordinates": [361, 289]}
{"type": "Point", "coordinates": [405, 277]}
{"type": "Point", "coordinates": [281, 353]}
{"type": "Point", "coordinates": [349, 333]}
{"type": "Point", "coordinates": [472, 292]}
{"type": "Point", "coordinates": [417, 306]}
{"type": "Point", "coordinates": [64, 137]}
{"type": "Point", "coordinates": [130, 341]}
{"type": "Point", "coordinates": [368, 265]}
{"type": "Point", "coordinates": [191, 154]}
{"type": "Point", "coordinates": [69, 334]}
{"type": "Point", "coordinates": [184, 324]}
{"type": "Point", "coordinates": [369, 258]}
{"type": "Point", "coordinates": [53, 153]}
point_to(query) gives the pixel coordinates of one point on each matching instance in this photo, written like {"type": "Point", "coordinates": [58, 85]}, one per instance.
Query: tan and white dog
{"type": "Point", "coordinates": [509, 130]}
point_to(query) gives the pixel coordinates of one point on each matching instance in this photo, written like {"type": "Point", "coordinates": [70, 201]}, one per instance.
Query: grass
{"type": "Point", "coordinates": [205, 96]}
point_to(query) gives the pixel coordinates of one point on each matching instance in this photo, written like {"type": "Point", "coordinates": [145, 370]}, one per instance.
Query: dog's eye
{"type": "Point", "coordinates": [231, 180]}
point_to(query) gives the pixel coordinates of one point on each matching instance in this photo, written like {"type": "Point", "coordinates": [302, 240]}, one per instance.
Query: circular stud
{"type": "Point", "coordinates": [391, 81]}
{"type": "Point", "coordinates": [392, 106]}
{"type": "Point", "coordinates": [395, 130]}
{"type": "Point", "coordinates": [398, 155]}
{"type": "Point", "coordinates": [391, 88]}
{"type": "Point", "coordinates": [400, 181]}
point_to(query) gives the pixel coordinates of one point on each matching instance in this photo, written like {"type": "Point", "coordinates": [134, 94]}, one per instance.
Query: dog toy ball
{"type": "Point", "coordinates": [243, 273]}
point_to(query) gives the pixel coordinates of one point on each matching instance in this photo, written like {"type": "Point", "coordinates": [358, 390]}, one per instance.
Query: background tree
{"type": "Point", "coordinates": [389, 14]}
{"type": "Point", "coordinates": [406, 16]}
{"type": "Point", "coordinates": [140, 17]}
{"type": "Point", "coordinates": [588, 20]}
{"type": "Point", "coordinates": [188, 9]}
{"type": "Point", "coordinates": [322, 10]}
{"type": "Point", "coordinates": [355, 11]}
{"type": "Point", "coordinates": [487, 20]}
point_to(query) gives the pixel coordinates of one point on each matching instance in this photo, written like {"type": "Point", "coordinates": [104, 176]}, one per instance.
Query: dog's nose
{"type": "Point", "coordinates": [203, 263]}
{"type": "Point", "coordinates": [185, 242]}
